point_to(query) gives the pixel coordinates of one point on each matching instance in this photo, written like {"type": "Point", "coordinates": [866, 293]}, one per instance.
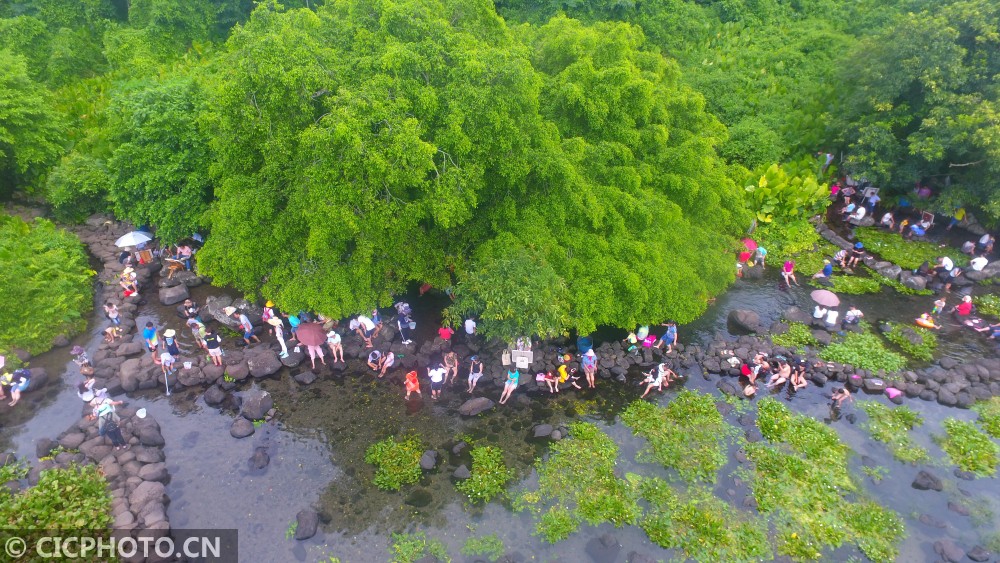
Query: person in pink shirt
{"type": "Point", "coordinates": [446, 332]}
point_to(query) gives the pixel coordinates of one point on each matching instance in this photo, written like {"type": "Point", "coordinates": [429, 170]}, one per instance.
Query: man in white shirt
{"type": "Point", "coordinates": [831, 318]}
{"type": "Point", "coordinates": [367, 328]}
{"type": "Point", "coordinates": [978, 263]}
{"type": "Point", "coordinates": [470, 326]}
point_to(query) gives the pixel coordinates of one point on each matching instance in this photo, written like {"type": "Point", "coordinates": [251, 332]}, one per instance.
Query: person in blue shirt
{"type": "Point", "coordinates": [151, 340]}
{"type": "Point", "coordinates": [826, 272]}
{"type": "Point", "coordinates": [669, 336]}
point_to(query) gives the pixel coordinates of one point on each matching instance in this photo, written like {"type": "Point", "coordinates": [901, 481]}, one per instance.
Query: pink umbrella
{"type": "Point", "coordinates": [311, 334]}
{"type": "Point", "coordinates": [750, 244]}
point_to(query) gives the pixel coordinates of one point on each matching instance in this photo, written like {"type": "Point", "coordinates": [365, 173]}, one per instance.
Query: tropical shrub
{"type": "Point", "coordinates": [788, 191]}
{"type": "Point", "coordinates": [797, 336]}
{"type": "Point", "coordinates": [988, 304]}
{"type": "Point", "coordinates": [44, 282]}
{"type": "Point", "coordinates": [489, 475]}
{"type": "Point", "coordinates": [78, 187]}
{"type": "Point", "coordinates": [75, 498]}
{"type": "Point", "coordinates": [397, 462]}
{"type": "Point", "coordinates": [852, 285]}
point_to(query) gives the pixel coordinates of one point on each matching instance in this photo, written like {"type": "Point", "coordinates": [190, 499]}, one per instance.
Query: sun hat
{"type": "Point", "coordinates": [169, 333]}
{"type": "Point", "coordinates": [859, 245]}
{"type": "Point", "coordinates": [269, 303]}
{"type": "Point", "coordinates": [128, 270]}
{"type": "Point", "coordinates": [229, 310]}
{"type": "Point", "coordinates": [274, 321]}
{"type": "Point", "coordinates": [87, 396]}
{"type": "Point", "coordinates": [474, 358]}
{"type": "Point", "coordinates": [141, 413]}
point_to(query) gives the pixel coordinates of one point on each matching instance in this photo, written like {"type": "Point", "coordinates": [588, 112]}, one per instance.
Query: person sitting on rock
{"type": "Point", "coordinates": [950, 277]}
{"type": "Point", "coordinates": [388, 360]}
{"type": "Point", "coordinates": [963, 309]}
{"type": "Point", "coordinates": [944, 264]}
{"type": "Point", "coordinates": [831, 318]}
{"type": "Point", "coordinates": [18, 383]}
{"type": "Point", "coordinates": [841, 258]}
{"type": "Point", "coordinates": [858, 215]}
{"type": "Point", "coordinates": [888, 221]}
{"type": "Point", "coordinates": [826, 272]}
{"type": "Point", "coordinates": [853, 316]}
{"type": "Point", "coordinates": [781, 375]}
{"type": "Point", "coordinates": [552, 380]}
{"type": "Point", "coordinates": [978, 263]}
{"type": "Point", "coordinates": [375, 360]}
{"type": "Point", "coordinates": [857, 254]}
{"type": "Point", "coordinates": [820, 312]}
{"type": "Point", "coordinates": [969, 247]}
{"type": "Point", "coordinates": [656, 378]}
{"type": "Point", "coordinates": [798, 380]}
{"type": "Point", "coordinates": [788, 273]}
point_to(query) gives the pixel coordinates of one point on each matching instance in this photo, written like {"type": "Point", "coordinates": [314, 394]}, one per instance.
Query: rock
{"type": "Point", "coordinates": [256, 403]}
{"type": "Point", "coordinates": [305, 377]}
{"type": "Point", "coordinates": [462, 472]}
{"type": "Point", "coordinates": [60, 340]}
{"type": "Point", "coordinates": [929, 520]}
{"type": "Point", "coordinates": [744, 321]}
{"type": "Point", "coordinates": [153, 472]}
{"type": "Point", "coordinates": [948, 363]}
{"type": "Point", "coordinates": [979, 554]}
{"type": "Point", "coordinates": [174, 295]}
{"type": "Point", "coordinates": [130, 349]}
{"type": "Point", "coordinates": [543, 430]}
{"type": "Point", "coordinates": [241, 428]}
{"type": "Point", "coordinates": [874, 385]}
{"type": "Point", "coordinates": [925, 481]}
{"type": "Point", "coordinates": [214, 396]}
{"type": "Point", "coordinates": [965, 475]}
{"type": "Point", "coordinates": [888, 269]}
{"type": "Point", "coordinates": [144, 493]}
{"type": "Point", "coordinates": [472, 407]}
{"type": "Point", "coordinates": [796, 315]}
{"type": "Point", "coordinates": [946, 398]}
{"type": "Point", "coordinates": [460, 447]}
{"type": "Point", "coordinates": [72, 441]}
{"type": "Point", "coordinates": [44, 447]}
{"type": "Point", "coordinates": [753, 435]}
{"type": "Point", "coordinates": [636, 557]}
{"type": "Point", "coordinates": [293, 358]}
{"type": "Point", "coordinates": [556, 435]}
{"type": "Point", "coordinates": [148, 431]}
{"type": "Point", "coordinates": [429, 460]}
{"type": "Point", "coordinates": [822, 337]}
{"type": "Point", "coordinates": [238, 371]}
{"type": "Point", "coordinates": [259, 459]}
{"type": "Point", "coordinates": [729, 388]}
{"type": "Point", "coordinates": [958, 508]}
{"type": "Point", "coordinates": [948, 550]}
{"type": "Point", "coordinates": [263, 362]}
{"type": "Point", "coordinates": [306, 523]}
{"type": "Point", "coordinates": [912, 281]}
{"type": "Point", "coordinates": [604, 549]}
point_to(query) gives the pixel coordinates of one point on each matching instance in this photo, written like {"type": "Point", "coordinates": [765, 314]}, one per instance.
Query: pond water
{"type": "Point", "coordinates": [317, 446]}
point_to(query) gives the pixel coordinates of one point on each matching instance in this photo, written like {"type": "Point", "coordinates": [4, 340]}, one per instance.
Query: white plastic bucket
{"type": "Point", "coordinates": [187, 365]}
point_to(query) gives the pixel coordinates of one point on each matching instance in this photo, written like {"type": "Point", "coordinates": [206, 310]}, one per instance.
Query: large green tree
{"type": "Point", "coordinates": [29, 128]}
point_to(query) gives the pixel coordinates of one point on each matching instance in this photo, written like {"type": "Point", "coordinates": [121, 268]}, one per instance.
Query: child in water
{"type": "Point", "coordinates": [412, 384]}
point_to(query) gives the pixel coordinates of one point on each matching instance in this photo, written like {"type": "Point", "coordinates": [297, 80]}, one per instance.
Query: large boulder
{"type": "Point", "coordinates": [472, 407]}
{"type": "Point", "coordinates": [131, 373]}
{"type": "Point", "coordinates": [263, 362]}
{"type": "Point", "coordinates": [256, 403]}
{"type": "Point", "coordinates": [744, 321]}
{"type": "Point", "coordinates": [148, 431]}
{"type": "Point", "coordinates": [130, 349]}
{"type": "Point", "coordinates": [888, 269]}
{"type": "Point", "coordinates": [214, 396]}
{"type": "Point", "coordinates": [925, 481]}
{"type": "Point", "coordinates": [145, 493]}
{"type": "Point", "coordinates": [241, 428]}
{"type": "Point", "coordinates": [912, 281]}
{"type": "Point", "coordinates": [173, 295]}
{"type": "Point", "coordinates": [306, 523]}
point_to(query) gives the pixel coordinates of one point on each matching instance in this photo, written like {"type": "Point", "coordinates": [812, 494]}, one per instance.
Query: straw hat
{"type": "Point", "coordinates": [274, 321]}
{"type": "Point", "coordinates": [128, 270]}
{"type": "Point", "coordinates": [229, 310]}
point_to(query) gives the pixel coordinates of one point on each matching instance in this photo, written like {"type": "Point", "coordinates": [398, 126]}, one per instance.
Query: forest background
{"type": "Point", "coordinates": [562, 165]}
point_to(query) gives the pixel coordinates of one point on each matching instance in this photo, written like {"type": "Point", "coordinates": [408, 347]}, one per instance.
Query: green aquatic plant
{"type": "Point", "coordinates": [801, 479]}
{"type": "Point", "coordinates": [917, 342]}
{"type": "Point", "coordinates": [863, 350]}
{"type": "Point", "coordinates": [397, 462]}
{"type": "Point", "coordinates": [876, 472]}
{"type": "Point", "coordinates": [907, 254]}
{"type": "Point", "coordinates": [489, 546]}
{"type": "Point", "coordinates": [892, 426]}
{"type": "Point", "coordinates": [969, 448]}
{"type": "Point", "coordinates": [989, 416]}
{"type": "Point", "coordinates": [688, 435]}
{"type": "Point", "coordinates": [988, 304]}
{"type": "Point", "coordinates": [489, 475]}
{"type": "Point", "coordinates": [794, 240]}
{"type": "Point", "coordinates": [290, 531]}
{"type": "Point", "coordinates": [851, 285]}
{"type": "Point", "coordinates": [579, 484]}
{"type": "Point", "coordinates": [72, 498]}
{"type": "Point", "coordinates": [702, 526]}
{"type": "Point", "coordinates": [408, 548]}
{"type": "Point", "coordinates": [898, 285]}
{"type": "Point", "coordinates": [797, 337]}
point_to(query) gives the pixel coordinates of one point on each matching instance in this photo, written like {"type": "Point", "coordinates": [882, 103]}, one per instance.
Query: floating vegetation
{"type": "Point", "coordinates": [863, 350]}
{"type": "Point", "coordinates": [892, 427]}
{"type": "Point", "coordinates": [489, 546]}
{"type": "Point", "coordinates": [688, 435]}
{"type": "Point", "coordinates": [489, 474]}
{"type": "Point", "coordinates": [969, 448]}
{"type": "Point", "coordinates": [851, 285]}
{"type": "Point", "coordinates": [398, 463]}
{"type": "Point", "coordinates": [988, 304]}
{"type": "Point", "coordinates": [989, 416]}
{"type": "Point", "coordinates": [898, 285]}
{"type": "Point", "coordinates": [578, 481]}
{"type": "Point", "coordinates": [408, 548]}
{"type": "Point", "coordinates": [917, 342]}
{"type": "Point", "coordinates": [907, 254]}
{"type": "Point", "coordinates": [805, 486]}
{"type": "Point", "coordinates": [798, 336]}
{"type": "Point", "coordinates": [702, 526]}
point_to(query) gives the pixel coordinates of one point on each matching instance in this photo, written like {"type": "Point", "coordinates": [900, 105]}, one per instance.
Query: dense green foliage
{"type": "Point", "coordinates": [701, 525]}
{"type": "Point", "coordinates": [907, 254]}
{"type": "Point", "coordinates": [794, 239]}
{"type": "Point", "coordinates": [578, 483]}
{"type": "Point", "coordinates": [688, 435]}
{"type": "Point", "coordinates": [851, 285]}
{"type": "Point", "coordinates": [798, 336]}
{"type": "Point", "coordinates": [75, 498]}
{"type": "Point", "coordinates": [409, 548]}
{"type": "Point", "coordinates": [969, 447]}
{"type": "Point", "coordinates": [44, 283]}
{"type": "Point", "coordinates": [397, 462]}
{"type": "Point", "coordinates": [863, 350]}
{"type": "Point", "coordinates": [916, 342]}
{"type": "Point", "coordinates": [808, 489]}
{"type": "Point", "coordinates": [989, 416]}
{"type": "Point", "coordinates": [489, 475]}
{"type": "Point", "coordinates": [892, 425]}
{"type": "Point", "coordinates": [788, 192]}
{"type": "Point", "coordinates": [489, 546]}
{"type": "Point", "coordinates": [988, 304]}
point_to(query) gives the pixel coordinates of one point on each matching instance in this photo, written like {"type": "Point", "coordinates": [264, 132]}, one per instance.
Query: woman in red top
{"type": "Point", "coordinates": [964, 308]}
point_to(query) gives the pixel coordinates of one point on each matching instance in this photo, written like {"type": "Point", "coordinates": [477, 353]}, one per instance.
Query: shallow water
{"type": "Point", "coordinates": [318, 442]}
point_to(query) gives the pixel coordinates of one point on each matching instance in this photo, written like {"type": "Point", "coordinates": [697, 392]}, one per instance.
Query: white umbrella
{"type": "Point", "coordinates": [132, 239]}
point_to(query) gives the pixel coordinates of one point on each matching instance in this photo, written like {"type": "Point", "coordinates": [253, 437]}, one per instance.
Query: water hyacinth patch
{"type": "Point", "coordinates": [969, 448]}
{"type": "Point", "coordinates": [917, 342]}
{"type": "Point", "coordinates": [797, 337]}
{"type": "Point", "coordinates": [688, 435]}
{"type": "Point", "coordinates": [989, 416]}
{"type": "Point", "coordinates": [892, 426]}
{"type": "Point", "coordinates": [851, 285]}
{"type": "Point", "coordinates": [397, 462]}
{"type": "Point", "coordinates": [865, 351]}
{"type": "Point", "coordinates": [489, 474]}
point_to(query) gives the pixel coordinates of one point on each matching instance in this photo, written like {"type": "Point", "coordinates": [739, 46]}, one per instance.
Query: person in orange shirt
{"type": "Point", "coordinates": [412, 384]}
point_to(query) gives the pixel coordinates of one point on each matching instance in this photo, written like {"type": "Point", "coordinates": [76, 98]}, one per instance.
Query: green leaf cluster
{"type": "Point", "coordinates": [863, 350]}
{"type": "Point", "coordinates": [851, 285]}
{"type": "Point", "coordinates": [807, 488]}
{"type": "Point", "coordinates": [988, 304]}
{"type": "Point", "coordinates": [797, 337]}
{"type": "Point", "coordinates": [788, 191]}
{"type": "Point", "coordinates": [489, 475]}
{"type": "Point", "coordinates": [916, 342]}
{"type": "Point", "coordinates": [907, 254]}
{"type": "Point", "coordinates": [489, 546]}
{"type": "Point", "coordinates": [687, 435]}
{"type": "Point", "coordinates": [74, 498]}
{"type": "Point", "coordinates": [969, 447]}
{"type": "Point", "coordinates": [989, 416]}
{"type": "Point", "coordinates": [892, 425]}
{"type": "Point", "coordinates": [409, 548]}
{"type": "Point", "coordinates": [796, 240]}
{"type": "Point", "coordinates": [45, 282]}
{"type": "Point", "coordinates": [397, 462]}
